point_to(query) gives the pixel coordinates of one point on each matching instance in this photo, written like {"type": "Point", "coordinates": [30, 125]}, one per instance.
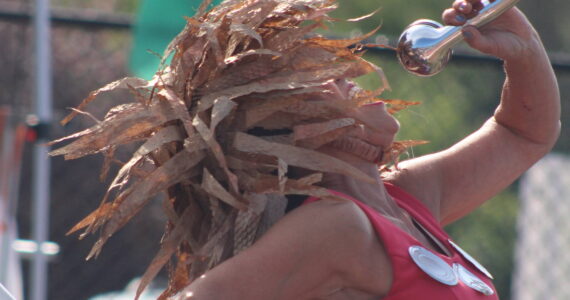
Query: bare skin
{"type": "Point", "coordinates": [328, 249]}
{"type": "Point", "coordinates": [524, 127]}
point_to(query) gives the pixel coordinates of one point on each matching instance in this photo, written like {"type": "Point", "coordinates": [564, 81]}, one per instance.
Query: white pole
{"type": "Point", "coordinates": [41, 180]}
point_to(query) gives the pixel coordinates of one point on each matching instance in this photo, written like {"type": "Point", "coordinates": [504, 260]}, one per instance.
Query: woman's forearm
{"type": "Point", "coordinates": [530, 103]}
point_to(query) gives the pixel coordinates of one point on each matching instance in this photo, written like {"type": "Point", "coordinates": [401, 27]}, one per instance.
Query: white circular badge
{"type": "Point", "coordinates": [472, 281]}
{"type": "Point", "coordinates": [433, 265]}
{"type": "Point", "coordinates": [472, 260]}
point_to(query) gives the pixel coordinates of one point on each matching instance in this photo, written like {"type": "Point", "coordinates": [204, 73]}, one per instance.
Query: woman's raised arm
{"type": "Point", "coordinates": [524, 127]}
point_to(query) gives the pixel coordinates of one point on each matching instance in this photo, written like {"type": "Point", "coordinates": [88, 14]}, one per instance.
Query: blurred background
{"type": "Point", "coordinates": [521, 236]}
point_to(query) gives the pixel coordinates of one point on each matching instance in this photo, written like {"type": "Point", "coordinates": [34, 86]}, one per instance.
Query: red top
{"type": "Point", "coordinates": [410, 280]}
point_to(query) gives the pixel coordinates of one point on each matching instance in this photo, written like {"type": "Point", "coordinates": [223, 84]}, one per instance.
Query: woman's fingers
{"type": "Point", "coordinates": [462, 7]}
{"type": "Point", "coordinates": [461, 11]}
{"type": "Point", "coordinates": [478, 41]}
{"type": "Point", "coordinates": [452, 17]}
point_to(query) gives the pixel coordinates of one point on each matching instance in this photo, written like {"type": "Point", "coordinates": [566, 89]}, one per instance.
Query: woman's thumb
{"type": "Point", "coordinates": [476, 40]}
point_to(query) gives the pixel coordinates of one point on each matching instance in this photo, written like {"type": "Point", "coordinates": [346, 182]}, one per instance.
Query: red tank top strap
{"type": "Point", "coordinates": [409, 281]}
{"type": "Point", "coordinates": [409, 203]}
{"type": "Point", "coordinates": [417, 210]}
{"type": "Point", "coordinates": [398, 239]}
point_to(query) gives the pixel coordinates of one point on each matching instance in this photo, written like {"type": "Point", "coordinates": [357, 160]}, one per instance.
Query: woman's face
{"type": "Point", "coordinates": [379, 120]}
{"type": "Point", "coordinates": [379, 127]}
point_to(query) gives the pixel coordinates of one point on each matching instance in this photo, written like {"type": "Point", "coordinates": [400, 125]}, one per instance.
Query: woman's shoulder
{"type": "Point", "coordinates": [419, 177]}
{"type": "Point", "coordinates": [322, 223]}
{"type": "Point", "coordinates": [349, 240]}
{"type": "Point", "coordinates": [336, 218]}
{"type": "Point", "coordinates": [317, 248]}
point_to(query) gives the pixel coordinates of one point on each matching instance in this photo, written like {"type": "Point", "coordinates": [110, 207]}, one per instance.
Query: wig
{"type": "Point", "coordinates": [219, 128]}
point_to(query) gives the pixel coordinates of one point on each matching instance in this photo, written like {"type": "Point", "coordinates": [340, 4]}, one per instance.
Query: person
{"type": "Point", "coordinates": [387, 242]}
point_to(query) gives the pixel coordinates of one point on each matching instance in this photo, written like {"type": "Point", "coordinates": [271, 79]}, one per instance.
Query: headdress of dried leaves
{"type": "Point", "coordinates": [239, 71]}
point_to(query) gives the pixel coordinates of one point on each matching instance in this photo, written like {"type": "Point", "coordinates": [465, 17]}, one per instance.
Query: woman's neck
{"type": "Point", "coordinates": [371, 194]}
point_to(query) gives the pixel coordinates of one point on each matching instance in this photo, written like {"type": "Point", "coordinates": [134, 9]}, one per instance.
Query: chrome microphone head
{"type": "Point", "coordinates": [420, 48]}
{"type": "Point", "coordinates": [425, 47]}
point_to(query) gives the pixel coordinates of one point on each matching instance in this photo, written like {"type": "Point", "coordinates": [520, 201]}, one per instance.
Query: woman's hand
{"type": "Point", "coordinates": [509, 37]}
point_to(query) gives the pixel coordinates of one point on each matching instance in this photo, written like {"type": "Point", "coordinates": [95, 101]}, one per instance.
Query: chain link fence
{"type": "Point", "coordinates": [542, 259]}
{"type": "Point", "coordinates": [87, 56]}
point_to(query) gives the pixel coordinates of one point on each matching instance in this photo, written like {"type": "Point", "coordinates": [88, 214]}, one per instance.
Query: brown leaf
{"type": "Point", "coordinates": [286, 139]}
{"type": "Point", "coordinates": [239, 164]}
{"type": "Point", "coordinates": [311, 179]}
{"type": "Point", "coordinates": [281, 173]}
{"type": "Point", "coordinates": [222, 108]}
{"type": "Point", "coordinates": [260, 86]}
{"type": "Point", "coordinates": [321, 140]}
{"type": "Point", "coordinates": [179, 109]}
{"type": "Point", "coordinates": [180, 278]}
{"type": "Point", "coordinates": [358, 19]}
{"type": "Point", "coordinates": [218, 214]}
{"type": "Point", "coordinates": [217, 237]}
{"type": "Point", "coordinates": [235, 58]}
{"type": "Point", "coordinates": [385, 85]}
{"type": "Point", "coordinates": [306, 131]}
{"type": "Point", "coordinates": [214, 188]}
{"type": "Point", "coordinates": [167, 248]}
{"type": "Point", "coordinates": [202, 9]}
{"type": "Point", "coordinates": [216, 149]}
{"type": "Point", "coordinates": [239, 75]}
{"type": "Point", "coordinates": [310, 56]}
{"type": "Point", "coordinates": [71, 136]}
{"type": "Point", "coordinates": [213, 42]}
{"type": "Point", "coordinates": [172, 172]}
{"type": "Point", "coordinates": [342, 43]}
{"type": "Point", "coordinates": [398, 148]}
{"type": "Point", "coordinates": [101, 212]}
{"type": "Point", "coordinates": [289, 38]}
{"type": "Point", "coordinates": [125, 126]}
{"type": "Point", "coordinates": [396, 105]}
{"type": "Point", "coordinates": [165, 135]}
{"type": "Point", "coordinates": [268, 184]}
{"type": "Point", "coordinates": [289, 80]}
{"type": "Point", "coordinates": [316, 109]}
{"type": "Point", "coordinates": [187, 33]}
{"type": "Point", "coordinates": [266, 109]}
{"type": "Point", "coordinates": [299, 157]}
{"type": "Point", "coordinates": [124, 83]}
{"type": "Point", "coordinates": [244, 15]}
{"type": "Point", "coordinates": [242, 30]}
{"type": "Point", "coordinates": [109, 156]}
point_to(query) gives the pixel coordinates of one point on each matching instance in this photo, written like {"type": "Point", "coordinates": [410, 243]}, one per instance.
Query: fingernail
{"type": "Point", "coordinates": [460, 18]}
{"type": "Point", "coordinates": [467, 35]}
{"type": "Point", "coordinates": [463, 6]}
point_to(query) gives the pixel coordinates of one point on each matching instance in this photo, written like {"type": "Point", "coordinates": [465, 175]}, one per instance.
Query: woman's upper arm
{"type": "Point", "coordinates": [293, 258]}
{"type": "Point", "coordinates": [457, 180]}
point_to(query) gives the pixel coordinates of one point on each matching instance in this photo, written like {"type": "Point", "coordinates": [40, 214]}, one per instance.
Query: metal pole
{"type": "Point", "coordinates": [41, 180]}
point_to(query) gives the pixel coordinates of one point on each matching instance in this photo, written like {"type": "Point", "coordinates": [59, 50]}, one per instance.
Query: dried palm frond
{"type": "Point", "coordinates": [239, 105]}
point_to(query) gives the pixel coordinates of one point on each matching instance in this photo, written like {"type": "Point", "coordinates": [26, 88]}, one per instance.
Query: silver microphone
{"type": "Point", "coordinates": [425, 47]}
